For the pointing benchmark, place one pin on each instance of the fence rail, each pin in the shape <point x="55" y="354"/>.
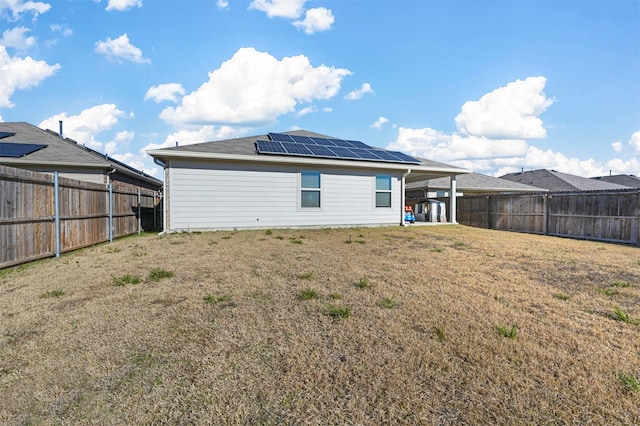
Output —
<point x="610" y="216"/>
<point x="43" y="215"/>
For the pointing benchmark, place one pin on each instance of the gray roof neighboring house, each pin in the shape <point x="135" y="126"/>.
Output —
<point x="63" y="153"/>
<point x="473" y="183"/>
<point x="557" y="181"/>
<point x="626" y="180"/>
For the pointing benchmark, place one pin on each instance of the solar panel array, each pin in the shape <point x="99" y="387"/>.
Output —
<point x="283" y="144"/>
<point x="17" y="150"/>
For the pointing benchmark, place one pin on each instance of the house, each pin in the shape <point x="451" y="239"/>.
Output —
<point x="467" y="184"/>
<point x="556" y="181"/>
<point x="626" y="180"/>
<point x="292" y="179"/>
<point x="25" y="146"/>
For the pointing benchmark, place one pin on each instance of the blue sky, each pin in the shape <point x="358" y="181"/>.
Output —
<point x="493" y="86"/>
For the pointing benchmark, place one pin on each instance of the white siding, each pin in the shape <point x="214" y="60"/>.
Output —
<point x="206" y="195"/>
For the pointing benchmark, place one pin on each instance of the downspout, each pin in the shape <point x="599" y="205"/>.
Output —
<point x="402" y="197"/>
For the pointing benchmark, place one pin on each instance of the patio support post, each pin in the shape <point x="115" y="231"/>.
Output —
<point x="452" y="199"/>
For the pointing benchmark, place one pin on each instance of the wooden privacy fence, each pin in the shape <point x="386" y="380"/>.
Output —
<point x="43" y="215"/>
<point x="610" y="216"/>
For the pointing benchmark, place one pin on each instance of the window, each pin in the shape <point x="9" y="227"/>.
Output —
<point x="383" y="191"/>
<point x="310" y="189"/>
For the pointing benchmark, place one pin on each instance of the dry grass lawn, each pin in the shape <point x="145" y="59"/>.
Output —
<point x="415" y="325"/>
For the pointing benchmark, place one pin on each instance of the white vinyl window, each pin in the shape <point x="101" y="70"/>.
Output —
<point x="383" y="191"/>
<point x="310" y="189"/>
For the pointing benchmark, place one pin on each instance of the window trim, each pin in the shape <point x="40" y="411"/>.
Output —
<point x="302" y="189"/>
<point x="377" y="191"/>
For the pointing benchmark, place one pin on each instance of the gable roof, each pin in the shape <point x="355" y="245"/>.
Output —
<point x="61" y="152"/>
<point x="474" y="182"/>
<point x="558" y="181"/>
<point x="244" y="149"/>
<point x="626" y="180"/>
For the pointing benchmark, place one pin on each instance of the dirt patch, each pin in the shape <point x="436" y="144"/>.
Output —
<point x="437" y="325"/>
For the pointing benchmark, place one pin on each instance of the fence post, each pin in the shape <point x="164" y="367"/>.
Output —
<point x="139" y="213"/>
<point x="154" y="211"/>
<point x="110" y="212"/>
<point x="56" y="196"/>
<point x="545" y="214"/>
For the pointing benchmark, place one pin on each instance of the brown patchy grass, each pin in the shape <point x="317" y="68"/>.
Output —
<point x="228" y="340"/>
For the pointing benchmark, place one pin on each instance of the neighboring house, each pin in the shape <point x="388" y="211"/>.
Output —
<point x="626" y="180"/>
<point x="557" y="181"/>
<point x="467" y="184"/>
<point x="25" y="146"/>
<point x="288" y="180"/>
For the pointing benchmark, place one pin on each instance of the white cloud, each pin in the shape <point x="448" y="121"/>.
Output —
<point x="486" y="143"/>
<point x="616" y="146"/>
<point x="122" y="5"/>
<point x="507" y="112"/>
<point x="327" y="109"/>
<point x="17" y="39"/>
<point x="316" y="20"/>
<point x="20" y="73"/>
<point x="305" y="111"/>
<point x="222" y="4"/>
<point x="359" y="93"/>
<point x="62" y="29"/>
<point x="381" y="121"/>
<point x="165" y="92"/>
<point x="121" y="49"/>
<point x="255" y="88"/>
<point x="291" y="9"/>
<point x="84" y="127"/>
<point x="18" y="7"/>
<point x="122" y="139"/>
<point x="635" y="142"/>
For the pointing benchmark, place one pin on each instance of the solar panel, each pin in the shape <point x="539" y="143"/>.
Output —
<point x="358" y="144"/>
<point x="405" y="158"/>
<point x="386" y="155"/>
<point x="270" y="147"/>
<point x="343" y="144"/>
<point x="6" y="134"/>
<point x="17" y="150"/>
<point x="302" y="139"/>
<point x="296" y="148"/>
<point x="280" y="137"/>
<point x="368" y="154"/>
<point x="322" y="151"/>
<point x="344" y="152"/>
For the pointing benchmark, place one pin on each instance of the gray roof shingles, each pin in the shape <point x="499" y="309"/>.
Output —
<point x="558" y="181"/>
